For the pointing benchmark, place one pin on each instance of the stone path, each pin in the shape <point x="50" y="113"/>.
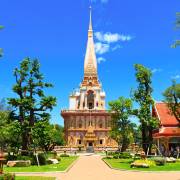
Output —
<point x="93" y="168"/>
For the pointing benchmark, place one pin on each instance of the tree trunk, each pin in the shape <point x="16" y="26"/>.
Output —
<point x="24" y="143"/>
<point x="144" y="138"/>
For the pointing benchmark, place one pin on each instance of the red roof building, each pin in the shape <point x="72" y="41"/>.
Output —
<point x="168" y="134"/>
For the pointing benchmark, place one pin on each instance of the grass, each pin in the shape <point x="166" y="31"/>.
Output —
<point x="62" y="166"/>
<point x="124" y="164"/>
<point x="34" y="178"/>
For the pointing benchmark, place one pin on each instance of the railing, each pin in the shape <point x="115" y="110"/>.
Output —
<point x="85" y="111"/>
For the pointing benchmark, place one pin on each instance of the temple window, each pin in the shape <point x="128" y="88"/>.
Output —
<point x="101" y="141"/>
<point x="90" y="99"/>
<point x="79" y="141"/>
<point x="97" y="104"/>
<point x="78" y="104"/>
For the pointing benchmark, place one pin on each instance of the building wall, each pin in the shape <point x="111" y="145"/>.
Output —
<point x="77" y="125"/>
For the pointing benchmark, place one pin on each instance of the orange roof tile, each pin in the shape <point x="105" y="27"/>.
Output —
<point x="168" y="132"/>
<point x="164" y="115"/>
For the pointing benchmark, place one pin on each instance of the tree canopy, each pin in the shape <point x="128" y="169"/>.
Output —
<point x="143" y="96"/>
<point x="172" y="97"/>
<point x="122" y="128"/>
<point x="31" y="104"/>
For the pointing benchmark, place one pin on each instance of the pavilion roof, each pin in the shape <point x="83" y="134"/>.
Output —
<point x="163" y="113"/>
<point x="167" y="132"/>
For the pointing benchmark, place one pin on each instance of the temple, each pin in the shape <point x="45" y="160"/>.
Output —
<point x="87" y="123"/>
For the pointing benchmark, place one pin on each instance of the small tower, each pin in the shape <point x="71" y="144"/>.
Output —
<point x="86" y="122"/>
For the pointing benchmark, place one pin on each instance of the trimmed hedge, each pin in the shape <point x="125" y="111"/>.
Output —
<point x="64" y="155"/>
<point x="122" y="155"/>
<point x="42" y="159"/>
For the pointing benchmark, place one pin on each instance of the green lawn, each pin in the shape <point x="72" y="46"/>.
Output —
<point x="62" y="166"/>
<point x="34" y="178"/>
<point x="125" y="165"/>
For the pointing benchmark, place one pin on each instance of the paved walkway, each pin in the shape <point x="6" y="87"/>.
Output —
<point x="93" y="168"/>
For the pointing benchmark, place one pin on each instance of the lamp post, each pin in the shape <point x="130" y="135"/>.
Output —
<point x="2" y="160"/>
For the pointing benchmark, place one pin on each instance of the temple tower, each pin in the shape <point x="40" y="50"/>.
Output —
<point x="86" y="122"/>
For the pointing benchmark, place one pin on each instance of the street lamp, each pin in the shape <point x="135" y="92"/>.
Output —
<point x="2" y="160"/>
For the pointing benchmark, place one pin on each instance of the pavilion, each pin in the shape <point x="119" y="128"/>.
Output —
<point x="167" y="136"/>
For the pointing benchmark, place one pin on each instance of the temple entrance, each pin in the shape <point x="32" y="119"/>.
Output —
<point x="90" y="144"/>
<point x="90" y="148"/>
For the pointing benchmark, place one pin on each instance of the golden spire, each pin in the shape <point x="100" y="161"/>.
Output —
<point x="90" y="64"/>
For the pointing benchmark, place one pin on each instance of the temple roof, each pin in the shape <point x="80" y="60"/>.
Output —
<point x="164" y="115"/>
<point x="167" y="132"/>
<point x="90" y="63"/>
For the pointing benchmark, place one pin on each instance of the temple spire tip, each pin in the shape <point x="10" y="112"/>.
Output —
<point x="90" y="22"/>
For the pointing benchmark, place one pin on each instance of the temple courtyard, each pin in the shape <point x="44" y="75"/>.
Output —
<point x="89" y="167"/>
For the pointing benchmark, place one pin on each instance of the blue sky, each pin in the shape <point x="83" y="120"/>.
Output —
<point x="126" y="32"/>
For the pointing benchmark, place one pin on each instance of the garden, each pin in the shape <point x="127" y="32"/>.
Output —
<point x="127" y="161"/>
<point x="46" y="162"/>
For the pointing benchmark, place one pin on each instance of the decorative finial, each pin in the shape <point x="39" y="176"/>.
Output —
<point x="90" y="22"/>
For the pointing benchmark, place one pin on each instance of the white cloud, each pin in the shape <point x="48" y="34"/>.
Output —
<point x="101" y="48"/>
<point x="101" y="59"/>
<point x="176" y="76"/>
<point x="116" y="47"/>
<point x="155" y="70"/>
<point x="108" y="42"/>
<point x="112" y="37"/>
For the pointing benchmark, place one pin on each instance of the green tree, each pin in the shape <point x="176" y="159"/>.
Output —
<point x="9" y="130"/>
<point x="172" y="97"/>
<point x="177" y="42"/>
<point x="47" y="136"/>
<point x="143" y="96"/>
<point x="122" y="128"/>
<point x="31" y="104"/>
<point x="57" y="135"/>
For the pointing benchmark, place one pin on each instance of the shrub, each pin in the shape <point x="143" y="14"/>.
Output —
<point x="25" y="158"/>
<point x="42" y="159"/>
<point x="125" y="155"/>
<point x="11" y="157"/>
<point x="7" y="176"/>
<point x="113" y="153"/>
<point x="64" y="155"/>
<point x="137" y="157"/>
<point x="116" y="156"/>
<point x="160" y="161"/>
<point x="108" y="157"/>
